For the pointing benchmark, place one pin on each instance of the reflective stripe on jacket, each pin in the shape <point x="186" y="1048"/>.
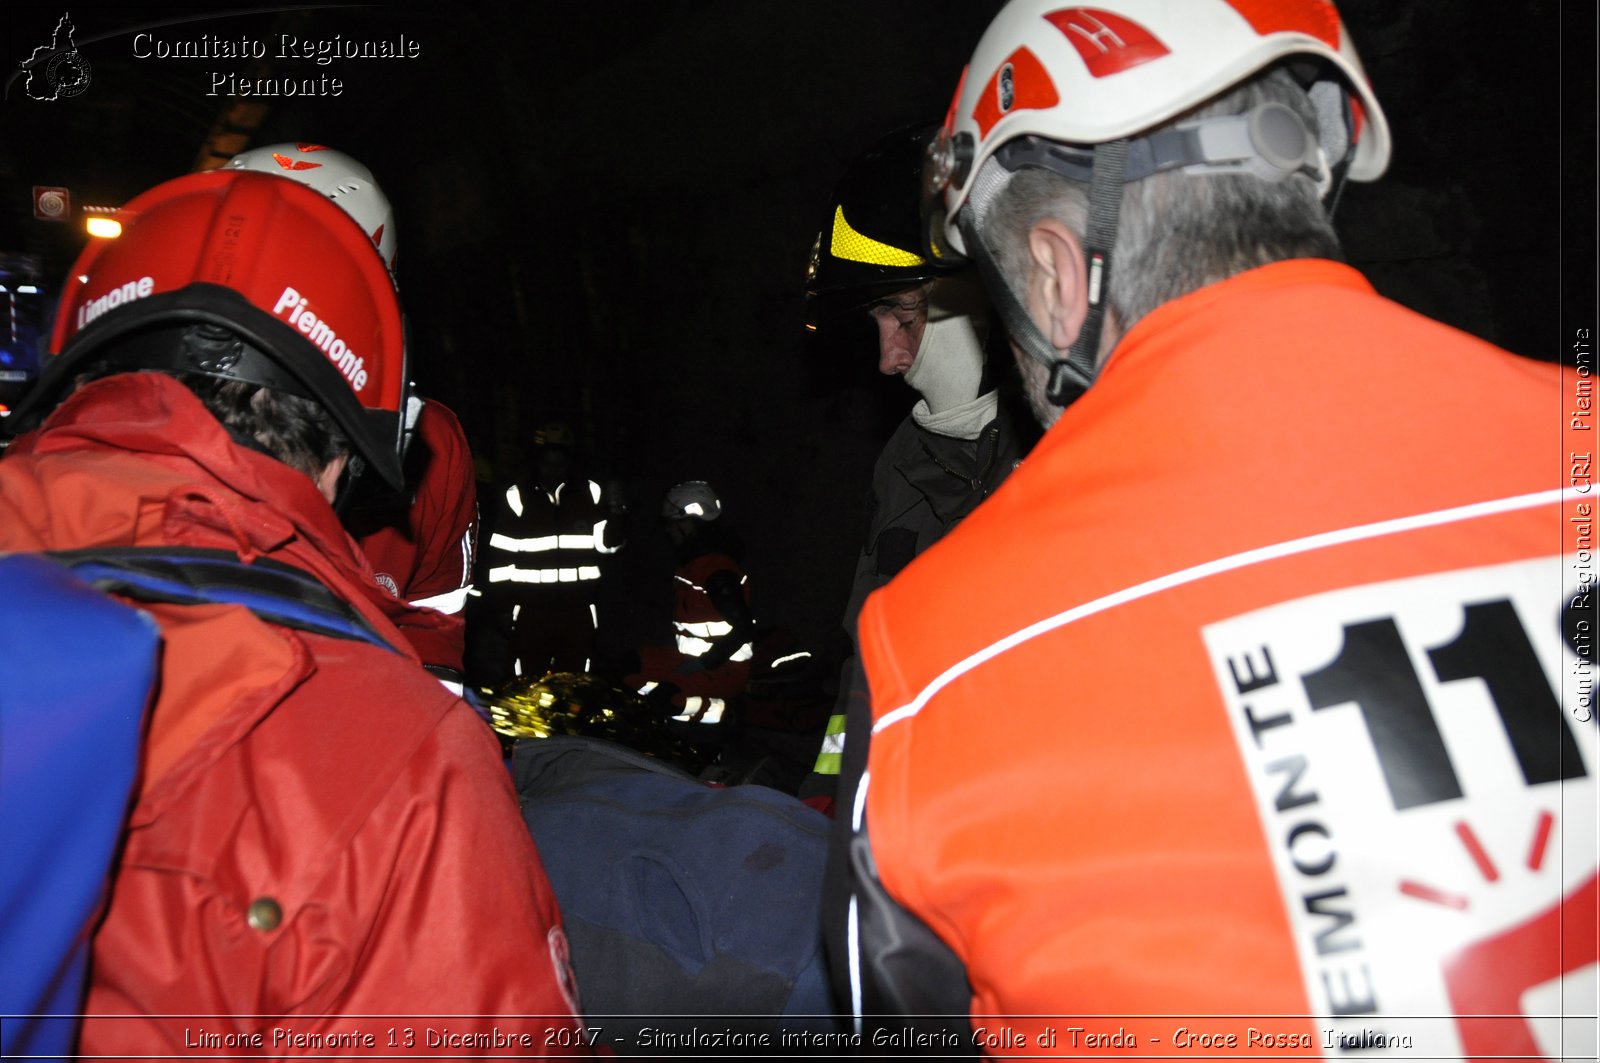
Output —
<point x="548" y="537"/>
<point x="696" y="620"/>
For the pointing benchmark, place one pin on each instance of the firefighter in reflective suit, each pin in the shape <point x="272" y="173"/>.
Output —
<point x="541" y="562"/>
<point x="713" y="628"/>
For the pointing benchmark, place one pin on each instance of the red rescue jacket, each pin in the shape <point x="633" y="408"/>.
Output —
<point x="324" y="842"/>
<point x="422" y="546"/>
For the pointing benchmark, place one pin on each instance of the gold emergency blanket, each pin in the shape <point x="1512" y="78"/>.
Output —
<point x="574" y="703"/>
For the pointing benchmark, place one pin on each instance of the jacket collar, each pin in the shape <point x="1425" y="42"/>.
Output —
<point x="214" y="493"/>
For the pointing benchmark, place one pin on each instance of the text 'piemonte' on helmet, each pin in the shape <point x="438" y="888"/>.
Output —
<point x="242" y="276"/>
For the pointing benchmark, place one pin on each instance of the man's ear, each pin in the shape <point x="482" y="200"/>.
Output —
<point x="328" y="479"/>
<point x="1058" y="293"/>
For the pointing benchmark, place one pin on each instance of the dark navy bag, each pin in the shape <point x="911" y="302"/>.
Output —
<point x="680" y="899"/>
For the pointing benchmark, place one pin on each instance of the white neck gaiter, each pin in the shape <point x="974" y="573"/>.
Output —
<point x="948" y="368"/>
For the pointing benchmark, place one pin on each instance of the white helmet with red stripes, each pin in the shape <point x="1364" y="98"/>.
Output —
<point x="1087" y="75"/>
<point x="337" y="176"/>
<point x="692" y="500"/>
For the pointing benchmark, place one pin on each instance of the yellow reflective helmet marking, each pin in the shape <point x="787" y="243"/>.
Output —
<point x="856" y="247"/>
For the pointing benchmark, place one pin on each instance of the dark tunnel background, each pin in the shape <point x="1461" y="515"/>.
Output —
<point x="605" y="210"/>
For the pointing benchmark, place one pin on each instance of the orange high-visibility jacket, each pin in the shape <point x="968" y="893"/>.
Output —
<point x="1249" y="694"/>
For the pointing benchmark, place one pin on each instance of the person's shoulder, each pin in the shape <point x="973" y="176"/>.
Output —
<point x="462" y="737"/>
<point x="908" y="431"/>
<point x="440" y="418"/>
<point x="428" y="728"/>
<point x="905" y="442"/>
<point x="709" y="562"/>
<point x="382" y="671"/>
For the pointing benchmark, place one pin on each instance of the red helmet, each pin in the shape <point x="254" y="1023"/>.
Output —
<point x="306" y="306"/>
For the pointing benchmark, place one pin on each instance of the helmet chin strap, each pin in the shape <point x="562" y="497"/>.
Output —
<point x="1072" y="375"/>
<point x="345" y="492"/>
<point x="1070" y="378"/>
<point x="1019" y="324"/>
<point x="1270" y="142"/>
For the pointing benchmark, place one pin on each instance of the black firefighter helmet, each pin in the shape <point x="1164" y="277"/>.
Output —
<point x="870" y="242"/>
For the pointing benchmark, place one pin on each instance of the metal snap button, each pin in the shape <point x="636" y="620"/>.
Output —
<point x="264" y="914"/>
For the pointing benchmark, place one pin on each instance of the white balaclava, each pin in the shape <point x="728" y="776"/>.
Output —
<point x="948" y="368"/>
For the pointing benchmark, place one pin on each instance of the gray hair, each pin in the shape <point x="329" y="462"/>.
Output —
<point x="1177" y="232"/>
